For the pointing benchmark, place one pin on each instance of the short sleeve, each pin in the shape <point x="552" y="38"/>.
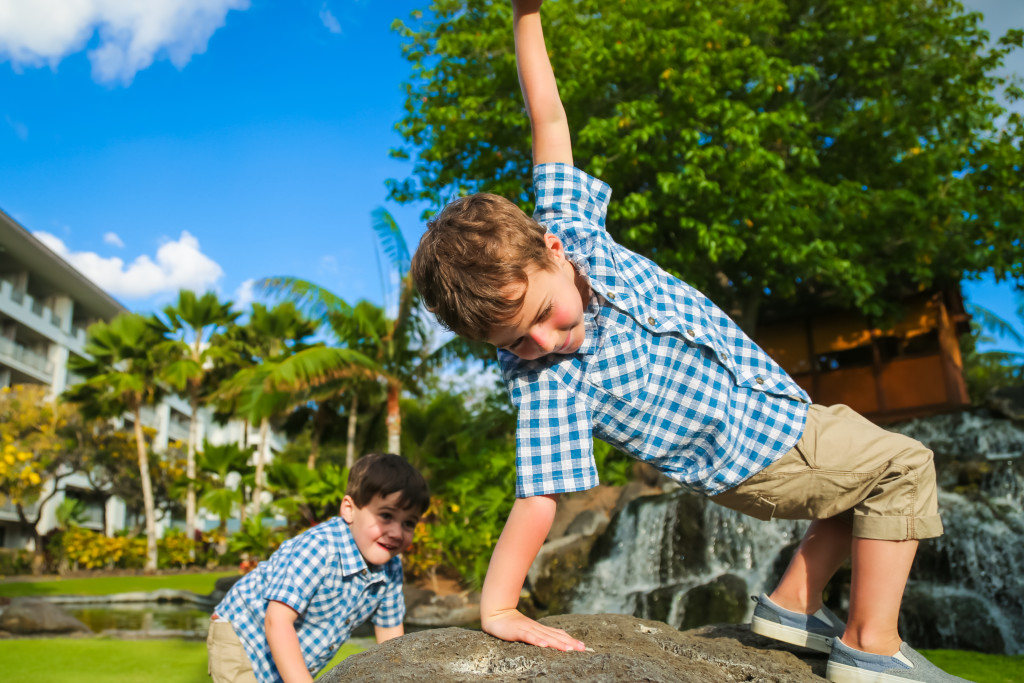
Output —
<point x="570" y="203"/>
<point x="554" y="442"/>
<point x="296" y="571"/>
<point x="391" y="611"/>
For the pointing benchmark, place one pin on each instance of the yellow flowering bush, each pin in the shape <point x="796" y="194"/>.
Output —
<point x="88" y="549"/>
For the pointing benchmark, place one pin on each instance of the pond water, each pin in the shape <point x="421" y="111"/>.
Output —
<point x="185" y="620"/>
<point x="166" y="619"/>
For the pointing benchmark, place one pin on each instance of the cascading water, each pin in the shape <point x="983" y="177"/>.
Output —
<point x="662" y="547"/>
<point x="966" y="589"/>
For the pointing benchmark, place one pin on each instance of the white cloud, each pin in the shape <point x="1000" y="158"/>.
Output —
<point x="131" y="34"/>
<point x="245" y="295"/>
<point x="111" y="238"/>
<point x="177" y="265"/>
<point x="329" y="20"/>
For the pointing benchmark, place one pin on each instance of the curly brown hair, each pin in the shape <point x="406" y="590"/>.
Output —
<point x="473" y="253"/>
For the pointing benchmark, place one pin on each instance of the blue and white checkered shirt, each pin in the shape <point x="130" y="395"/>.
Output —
<point x="321" y="575"/>
<point x="663" y="374"/>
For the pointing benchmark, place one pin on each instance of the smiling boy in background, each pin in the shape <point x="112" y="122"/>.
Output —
<point x="284" y="620"/>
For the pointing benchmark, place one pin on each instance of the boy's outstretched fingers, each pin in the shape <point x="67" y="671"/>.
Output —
<point x="514" y="627"/>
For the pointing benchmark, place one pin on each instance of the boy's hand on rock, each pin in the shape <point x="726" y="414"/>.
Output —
<point x="513" y="626"/>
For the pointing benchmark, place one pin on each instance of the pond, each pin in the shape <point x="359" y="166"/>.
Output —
<point x="142" y="619"/>
<point x="165" y="620"/>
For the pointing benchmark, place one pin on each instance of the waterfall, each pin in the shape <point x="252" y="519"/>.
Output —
<point x="966" y="590"/>
<point x="662" y="547"/>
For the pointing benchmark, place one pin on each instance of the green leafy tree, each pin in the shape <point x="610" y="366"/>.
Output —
<point x="121" y="376"/>
<point x="37" y="450"/>
<point x="193" y="323"/>
<point x="784" y="147"/>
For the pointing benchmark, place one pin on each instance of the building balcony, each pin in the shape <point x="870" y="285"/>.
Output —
<point x="33" y="314"/>
<point x="26" y="360"/>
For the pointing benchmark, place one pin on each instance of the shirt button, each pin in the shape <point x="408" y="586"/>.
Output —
<point x="760" y="380"/>
<point x="725" y="356"/>
<point x="611" y="295"/>
<point x="651" y="321"/>
<point x="691" y="333"/>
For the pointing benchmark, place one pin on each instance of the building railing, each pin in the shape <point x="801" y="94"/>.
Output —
<point x="75" y="338"/>
<point x="26" y="356"/>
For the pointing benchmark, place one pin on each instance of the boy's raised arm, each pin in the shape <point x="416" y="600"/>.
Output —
<point x="524" y="533"/>
<point x="551" y="141"/>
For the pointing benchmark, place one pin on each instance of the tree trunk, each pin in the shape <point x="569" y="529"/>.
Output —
<point x="257" y="492"/>
<point x="147" y="493"/>
<point x="314" y="437"/>
<point x="394" y="419"/>
<point x="190" y="474"/>
<point x="350" y="447"/>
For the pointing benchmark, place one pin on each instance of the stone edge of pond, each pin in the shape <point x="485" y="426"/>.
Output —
<point x="160" y="595"/>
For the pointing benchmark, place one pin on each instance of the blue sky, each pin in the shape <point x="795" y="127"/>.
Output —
<point x="207" y="143"/>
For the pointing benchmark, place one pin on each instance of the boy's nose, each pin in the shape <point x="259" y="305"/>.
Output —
<point x="543" y="338"/>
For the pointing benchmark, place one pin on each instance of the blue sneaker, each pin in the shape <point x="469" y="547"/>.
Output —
<point x="816" y="631"/>
<point x="846" y="665"/>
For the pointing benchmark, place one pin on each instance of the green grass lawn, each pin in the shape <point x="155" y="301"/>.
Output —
<point x="978" y="667"/>
<point x="101" y="660"/>
<point x="106" y="585"/>
<point x="98" y="660"/>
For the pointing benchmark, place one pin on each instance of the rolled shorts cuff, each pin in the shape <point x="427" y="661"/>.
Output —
<point x="900" y="528"/>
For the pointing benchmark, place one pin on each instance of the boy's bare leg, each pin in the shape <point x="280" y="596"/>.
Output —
<point x="825" y="547"/>
<point x="880" y="571"/>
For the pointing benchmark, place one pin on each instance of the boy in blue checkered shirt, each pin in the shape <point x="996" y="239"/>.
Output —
<point x="595" y="340"/>
<point x="284" y="620"/>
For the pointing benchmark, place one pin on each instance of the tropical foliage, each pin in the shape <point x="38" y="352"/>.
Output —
<point x="754" y="146"/>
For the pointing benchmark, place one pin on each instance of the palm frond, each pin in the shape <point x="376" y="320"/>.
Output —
<point x="313" y="300"/>
<point x="391" y="240"/>
<point x="992" y="322"/>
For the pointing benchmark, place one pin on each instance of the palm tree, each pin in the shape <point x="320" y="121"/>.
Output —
<point x="194" y="322"/>
<point x="217" y="462"/>
<point x="397" y="342"/>
<point x="121" y="374"/>
<point x="287" y="371"/>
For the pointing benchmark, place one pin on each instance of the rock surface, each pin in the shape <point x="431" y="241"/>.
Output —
<point x="29" y="615"/>
<point x="624" y="649"/>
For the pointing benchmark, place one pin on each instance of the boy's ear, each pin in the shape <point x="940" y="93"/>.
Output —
<point x="555" y="247"/>
<point x="348" y="508"/>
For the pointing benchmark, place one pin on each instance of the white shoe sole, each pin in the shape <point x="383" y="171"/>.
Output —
<point x="844" y="673"/>
<point x="791" y="635"/>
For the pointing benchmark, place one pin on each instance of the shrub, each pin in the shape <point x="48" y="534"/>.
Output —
<point x="14" y="562"/>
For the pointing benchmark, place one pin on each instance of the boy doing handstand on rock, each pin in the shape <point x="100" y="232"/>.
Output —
<point x="594" y="339"/>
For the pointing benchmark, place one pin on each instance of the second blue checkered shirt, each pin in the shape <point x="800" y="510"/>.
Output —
<point x="663" y="375"/>
<point x="321" y="575"/>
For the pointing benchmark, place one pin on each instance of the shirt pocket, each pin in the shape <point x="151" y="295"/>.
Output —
<point x="621" y="367"/>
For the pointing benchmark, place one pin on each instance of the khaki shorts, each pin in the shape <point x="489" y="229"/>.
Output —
<point x="846" y="466"/>
<point x="228" y="661"/>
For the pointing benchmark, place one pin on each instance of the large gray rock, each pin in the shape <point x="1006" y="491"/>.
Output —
<point x="30" y="615"/>
<point x="624" y="649"/>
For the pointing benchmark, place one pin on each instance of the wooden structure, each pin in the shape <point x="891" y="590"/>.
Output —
<point x="910" y="369"/>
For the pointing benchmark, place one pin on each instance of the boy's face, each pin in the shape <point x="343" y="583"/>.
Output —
<point x="381" y="529"/>
<point x="551" y="319"/>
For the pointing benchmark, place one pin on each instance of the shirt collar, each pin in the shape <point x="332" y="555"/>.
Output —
<point x="352" y="561"/>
